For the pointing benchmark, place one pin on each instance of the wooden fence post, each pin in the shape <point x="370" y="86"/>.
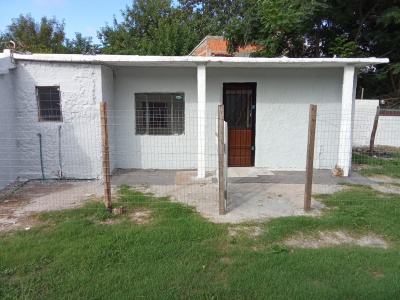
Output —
<point x="106" y="156"/>
<point x="312" y="120"/>
<point x="373" y="133"/>
<point x="221" y="161"/>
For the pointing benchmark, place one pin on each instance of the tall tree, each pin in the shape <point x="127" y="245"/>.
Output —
<point x="80" y="44"/>
<point x="323" y="28"/>
<point x="46" y="36"/>
<point x="148" y="27"/>
<point x="159" y="27"/>
<point x="209" y="17"/>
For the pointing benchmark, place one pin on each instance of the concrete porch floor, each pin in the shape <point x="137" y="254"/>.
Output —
<point x="253" y="193"/>
<point x="235" y="175"/>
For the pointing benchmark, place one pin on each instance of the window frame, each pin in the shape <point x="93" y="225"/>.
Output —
<point x="48" y="118"/>
<point x="145" y="118"/>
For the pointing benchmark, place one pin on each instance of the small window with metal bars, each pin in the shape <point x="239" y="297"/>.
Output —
<point x="49" y="103"/>
<point x="160" y="113"/>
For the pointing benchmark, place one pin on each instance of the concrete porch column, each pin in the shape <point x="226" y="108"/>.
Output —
<point x="347" y="119"/>
<point x="201" y="122"/>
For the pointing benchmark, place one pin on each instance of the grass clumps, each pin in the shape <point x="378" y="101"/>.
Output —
<point x="88" y="253"/>
<point x="386" y="162"/>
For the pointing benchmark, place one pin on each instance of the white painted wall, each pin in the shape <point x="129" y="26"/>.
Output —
<point x="388" y="131"/>
<point x="283" y="98"/>
<point x="8" y="142"/>
<point x="147" y="151"/>
<point x="107" y="87"/>
<point x="81" y="92"/>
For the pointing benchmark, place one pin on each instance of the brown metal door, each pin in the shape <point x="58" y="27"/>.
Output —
<point x="240" y="104"/>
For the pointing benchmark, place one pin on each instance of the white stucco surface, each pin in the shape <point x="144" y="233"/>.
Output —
<point x="282" y="105"/>
<point x="283" y="98"/>
<point x="388" y="131"/>
<point x="154" y="151"/>
<point x="72" y="148"/>
<point x="8" y="143"/>
<point x="107" y="88"/>
<point x="81" y="91"/>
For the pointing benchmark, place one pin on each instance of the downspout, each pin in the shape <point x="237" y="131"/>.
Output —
<point x="59" y="151"/>
<point x="41" y="154"/>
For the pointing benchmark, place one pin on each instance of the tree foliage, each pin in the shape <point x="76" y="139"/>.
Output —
<point x="46" y="36"/>
<point x="148" y="27"/>
<point x="325" y="28"/>
<point x="294" y="28"/>
<point x="157" y="27"/>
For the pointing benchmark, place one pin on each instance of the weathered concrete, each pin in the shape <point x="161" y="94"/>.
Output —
<point x="299" y="177"/>
<point x="144" y="177"/>
<point x="136" y="60"/>
<point x="256" y="197"/>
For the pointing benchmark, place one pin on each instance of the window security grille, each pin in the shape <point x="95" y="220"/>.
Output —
<point x="160" y="113"/>
<point x="49" y="103"/>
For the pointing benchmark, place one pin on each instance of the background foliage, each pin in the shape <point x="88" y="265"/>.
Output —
<point x="293" y="28"/>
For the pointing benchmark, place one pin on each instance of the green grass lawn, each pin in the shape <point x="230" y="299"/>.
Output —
<point x="389" y="166"/>
<point x="86" y="253"/>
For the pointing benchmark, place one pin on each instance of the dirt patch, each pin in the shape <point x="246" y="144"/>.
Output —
<point x="190" y="177"/>
<point x="359" y="167"/>
<point x="384" y="179"/>
<point x="329" y="238"/>
<point x="377" y="274"/>
<point x="141" y="216"/>
<point x="23" y="222"/>
<point x="246" y="201"/>
<point x="248" y="230"/>
<point x="226" y="260"/>
<point x="110" y="221"/>
<point x="17" y="209"/>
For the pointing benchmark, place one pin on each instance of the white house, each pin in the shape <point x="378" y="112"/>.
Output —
<point x="167" y="104"/>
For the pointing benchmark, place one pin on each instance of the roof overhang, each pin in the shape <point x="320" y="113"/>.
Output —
<point x="193" y="61"/>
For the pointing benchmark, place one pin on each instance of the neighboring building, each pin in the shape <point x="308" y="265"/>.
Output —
<point x="162" y="111"/>
<point x="216" y="46"/>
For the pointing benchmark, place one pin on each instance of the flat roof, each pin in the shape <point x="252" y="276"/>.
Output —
<point x="192" y="61"/>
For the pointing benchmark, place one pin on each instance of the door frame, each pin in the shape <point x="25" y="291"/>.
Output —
<point x="253" y="87"/>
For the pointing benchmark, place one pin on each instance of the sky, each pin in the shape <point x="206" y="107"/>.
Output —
<point x="84" y="16"/>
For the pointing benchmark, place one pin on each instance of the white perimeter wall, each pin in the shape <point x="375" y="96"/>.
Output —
<point x="149" y="151"/>
<point x="283" y="98"/>
<point x="8" y="143"/>
<point x="388" y="131"/>
<point x="81" y="92"/>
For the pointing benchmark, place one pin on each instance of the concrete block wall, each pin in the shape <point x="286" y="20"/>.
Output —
<point x="8" y="142"/>
<point x="71" y="148"/>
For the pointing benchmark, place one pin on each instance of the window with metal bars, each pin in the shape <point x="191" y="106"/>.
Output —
<point x="160" y="113"/>
<point x="49" y="103"/>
